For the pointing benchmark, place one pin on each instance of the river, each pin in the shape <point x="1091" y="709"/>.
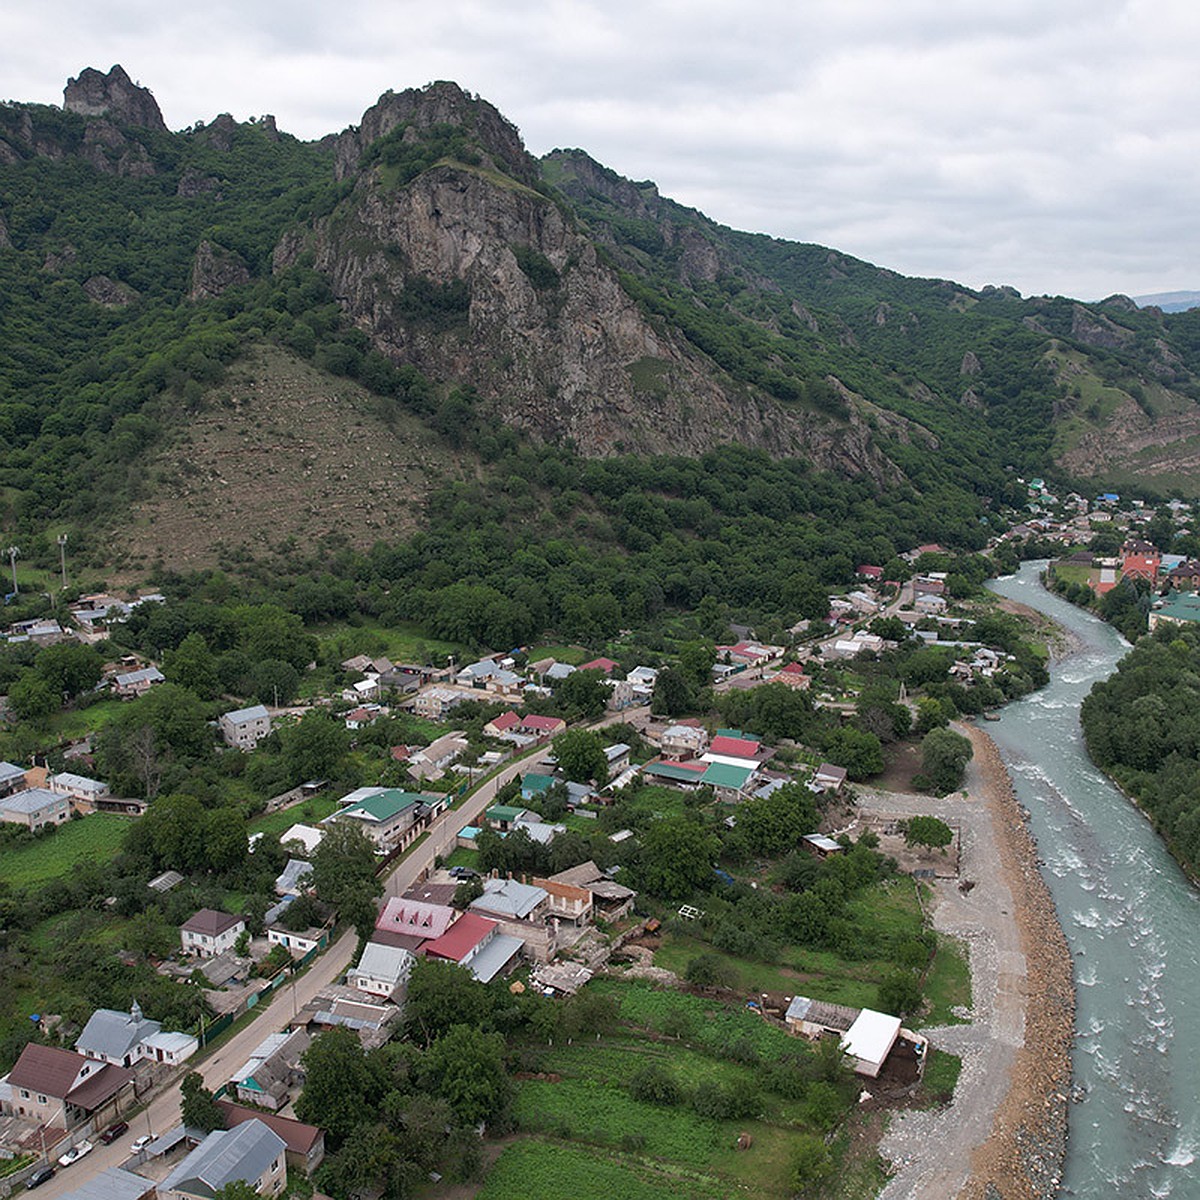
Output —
<point x="1130" y="916"/>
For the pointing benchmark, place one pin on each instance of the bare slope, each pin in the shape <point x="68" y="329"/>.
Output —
<point x="281" y="450"/>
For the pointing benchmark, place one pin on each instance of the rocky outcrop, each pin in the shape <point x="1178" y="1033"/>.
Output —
<point x="113" y="95"/>
<point x="214" y="270"/>
<point x="110" y="151"/>
<point x="970" y="364"/>
<point x="218" y="133"/>
<point x="108" y="292"/>
<point x="57" y="261"/>
<point x="193" y="184"/>
<point x="1098" y="330"/>
<point x="5" y="240"/>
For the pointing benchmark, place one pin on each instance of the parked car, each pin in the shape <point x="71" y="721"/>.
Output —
<point x="75" y="1153"/>
<point x="40" y="1176"/>
<point x="113" y="1132"/>
<point x="139" y="1144"/>
<point x="463" y="873"/>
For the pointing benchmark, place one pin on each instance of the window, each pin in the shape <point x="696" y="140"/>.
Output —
<point x="24" y="1094"/>
<point x="41" y="1099"/>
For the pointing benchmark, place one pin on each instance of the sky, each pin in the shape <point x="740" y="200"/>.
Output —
<point x="1048" y="145"/>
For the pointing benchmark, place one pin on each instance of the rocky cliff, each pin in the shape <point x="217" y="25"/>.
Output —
<point x="472" y="272"/>
<point x="113" y="95"/>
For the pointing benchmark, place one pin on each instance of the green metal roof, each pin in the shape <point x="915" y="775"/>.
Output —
<point x="386" y="805"/>
<point x="537" y="783"/>
<point x="503" y="812"/>
<point x="724" y="776"/>
<point x="1183" y="606"/>
<point x="671" y="771"/>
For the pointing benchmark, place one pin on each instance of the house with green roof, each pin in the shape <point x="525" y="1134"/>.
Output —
<point x="504" y="816"/>
<point x="392" y="819"/>
<point x="1181" y="608"/>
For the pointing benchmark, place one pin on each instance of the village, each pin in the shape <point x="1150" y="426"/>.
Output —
<point x="466" y="792"/>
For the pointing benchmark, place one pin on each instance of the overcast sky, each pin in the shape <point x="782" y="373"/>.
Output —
<point x="1052" y="145"/>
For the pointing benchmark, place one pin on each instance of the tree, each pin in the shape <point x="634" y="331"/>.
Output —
<point x="343" y="875"/>
<point x="580" y="755"/>
<point x="465" y="1066"/>
<point x="676" y="858"/>
<point x="238" y="1189"/>
<point x="900" y="993"/>
<point x="672" y="694"/>
<point x="193" y="666"/>
<point x="859" y="752"/>
<point x="944" y="758"/>
<point x="340" y="1084"/>
<point x="198" y="1109"/>
<point x="927" y="831"/>
<point x="314" y="746"/>
<point x="273" y="681"/>
<point x="70" y="668"/>
<point x="774" y="824"/>
<point x="811" y="1161"/>
<point x="33" y="699"/>
<point x="441" y="995"/>
<point x="583" y="693"/>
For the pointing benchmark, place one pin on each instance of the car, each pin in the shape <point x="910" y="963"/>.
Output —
<point x="40" y="1176"/>
<point x="463" y="873"/>
<point x="75" y="1153"/>
<point x="113" y="1132"/>
<point x="140" y="1144"/>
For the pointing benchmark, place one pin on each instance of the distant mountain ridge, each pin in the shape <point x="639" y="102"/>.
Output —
<point x="1169" y="301"/>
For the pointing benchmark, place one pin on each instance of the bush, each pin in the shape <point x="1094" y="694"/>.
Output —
<point x="708" y="970"/>
<point x="652" y="1085"/>
<point x="811" y="1161"/>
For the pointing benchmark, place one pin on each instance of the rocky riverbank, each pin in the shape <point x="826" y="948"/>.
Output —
<point x="1022" y="1160"/>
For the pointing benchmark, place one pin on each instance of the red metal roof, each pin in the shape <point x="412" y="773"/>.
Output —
<point x="300" y="1138"/>
<point x="733" y="747"/>
<point x="505" y="721"/>
<point x="546" y="724"/>
<point x="461" y="938"/>
<point x="600" y="664"/>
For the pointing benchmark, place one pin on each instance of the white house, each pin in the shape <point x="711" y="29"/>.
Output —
<point x="123" y="1039"/>
<point x="78" y="787"/>
<point x="209" y="933"/>
<point x="244" y="728"/>
<point x="381" y="971"/>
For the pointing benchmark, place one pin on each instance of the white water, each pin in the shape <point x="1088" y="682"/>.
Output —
<point x="1130" y="917"/>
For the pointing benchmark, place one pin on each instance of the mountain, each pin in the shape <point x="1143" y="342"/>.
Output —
<point x="158" y="282"/>
<point x="1169" y="301"/>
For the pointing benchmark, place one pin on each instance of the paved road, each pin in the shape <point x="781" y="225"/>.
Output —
<point x="163" y="1112"/>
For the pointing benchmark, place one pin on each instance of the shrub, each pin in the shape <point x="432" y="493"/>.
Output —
<point x="652" y="1085"/>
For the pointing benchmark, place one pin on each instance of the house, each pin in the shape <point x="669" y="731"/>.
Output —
<point x="250" y="1153"/>
<point x="506" y="722"/>
<point x="131" y="684"/>
<point x="827" y="778"/>
<point x="732" y="750"/>
<point x="509" y="901"/>
<point x="477" y="943"/>
<point x="729" y="783"/>
<point x="1181" y="608"/>
<point x="305" y="835"/>
<point x="610" y="900"/>
<point x="823" y="846"/>
<point x="601" y="664"/>
<point x="642" y="677"/>
<point x="338" y="1007"/>
<point x="304" y="1145"/>
<point x="411" y="923"/>
<point x="868" y="571"/>
<point x="267" y="1077"/>
<point x="58" y="1088"/>
<point x="534" y="784"/>
<point x="927" y="585"/>
<point x="88" y="793"/>
<point x="435" y="703"/>
<point x="124" y="1039"/>
<point x="930" y="605"/>
<point x="566" y="901"/>
<point x="210" y="932"/>
<point x="542" y="727"/>
<point x="618" y="757"/>
<point x="299" y="943"/>
<point x="793" y="675"/>
<point x="431" y="762"/>
<point x="389" y="818"/>
<point x="382" y="970"/>
<point x="1140" y="560"/>
<point x="505" y="816"/>
<point x="869" y="1041"/>
<point x="1185" y="575"/>
<point x="12" y="778"/>
<point x="558" y="671"/>
<point x="536" y="829"/>
<point x="363" y="716"/>
<point x="244" y="728"/>
<point x="814" y="1019"/>
<point x="34" y="808"/>
<point x="683" y="741"/>
<point x="292" y="879"/>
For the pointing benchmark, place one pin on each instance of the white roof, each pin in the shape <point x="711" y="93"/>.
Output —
<point x="77" y="783"/>
<point x="306" y="835"/>
<point x="388" y="963"/>
<point x="871" y="1036"/>
<point x="31" y="800"/>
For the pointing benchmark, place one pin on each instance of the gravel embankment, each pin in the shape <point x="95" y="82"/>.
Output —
<point x="1004" y="1135"/>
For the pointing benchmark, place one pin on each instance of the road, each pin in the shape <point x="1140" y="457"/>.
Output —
<point x="163" y="1112"/>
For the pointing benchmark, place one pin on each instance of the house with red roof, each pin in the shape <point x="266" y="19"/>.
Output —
<point x="409" y="924"/>
<point x="475" y="942"/>
<point x="600" y="664"/>
<point x="506" y="722"/>
<point x="541" y="726"/>
<point x="305" y="1144"/>
<point x="1140" y="560"/>
<point x="867" y="571"/>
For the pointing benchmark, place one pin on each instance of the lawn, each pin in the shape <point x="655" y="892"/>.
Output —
<point x="403" y="642"/>
<point x="74" y="723"/>
<point x="97" y="837"/>
<point x="564" y="654"/>
<point x="307" y="813"/>
<point x="948" y="984"/>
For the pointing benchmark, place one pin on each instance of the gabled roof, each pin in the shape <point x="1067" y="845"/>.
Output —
<point x="505" y="721"/>
<point x="541" y="723"/>
<point x="297" y="1136"/>
<point x="30" y="800"/>
<point x="389" y="963"/>
<point x="600" y="664"/>
<point x="242" y="1153"/>
<point x="723" y="775"/>
<point x="291" y="876"/>
<point x="210" y="922"/>
<point x="461" y="938"/>
<point x="384" y="807"/>
<point x="415" y="917"/>
<point x="47" y="1069"/>
<point x="243" y="716"/>
<point x="509" y="897"/>
<point x="10" y="772"/>
<point x="734" y="747"/>
<point x="113" y="1034"/>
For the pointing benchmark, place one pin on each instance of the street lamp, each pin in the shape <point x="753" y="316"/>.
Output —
<point x="12" y="553"/>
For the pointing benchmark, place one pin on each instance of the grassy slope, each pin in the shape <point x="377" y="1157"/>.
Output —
<point x="96" y="837"/>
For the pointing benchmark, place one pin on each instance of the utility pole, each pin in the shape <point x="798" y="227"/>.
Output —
<point x="62" y="557"/>
<point x="12" y="553"/>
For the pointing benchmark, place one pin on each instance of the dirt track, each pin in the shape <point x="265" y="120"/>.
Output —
<point x="1004" y="1136"/>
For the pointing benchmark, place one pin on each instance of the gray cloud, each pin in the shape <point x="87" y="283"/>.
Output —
<point x="1050" y="147"/>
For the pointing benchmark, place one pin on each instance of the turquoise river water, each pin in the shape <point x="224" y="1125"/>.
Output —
<point x="1130" y="916"/>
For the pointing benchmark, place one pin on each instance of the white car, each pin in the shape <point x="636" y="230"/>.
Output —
<point x="75" y="1153"/>
<point x="139" y="1144"/>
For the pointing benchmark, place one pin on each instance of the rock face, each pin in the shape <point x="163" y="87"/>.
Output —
<point x="108" y="292"/>
<point x="214" y="270"/>
<point x="114" y="95"/>
<point x="469" y="272"/>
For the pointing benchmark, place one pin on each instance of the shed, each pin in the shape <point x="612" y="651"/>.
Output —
<point x="870" y="1040"/>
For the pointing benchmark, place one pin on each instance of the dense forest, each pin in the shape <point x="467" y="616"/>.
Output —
<point x="1142" y="726"/>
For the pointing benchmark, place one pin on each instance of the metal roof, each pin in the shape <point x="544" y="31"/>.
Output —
<point x="242" y="1153"/>
<point x="113" y="1034"/>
